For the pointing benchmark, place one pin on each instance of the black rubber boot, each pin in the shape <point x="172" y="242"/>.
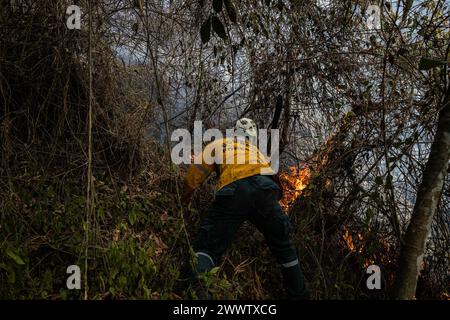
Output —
<point x="204" y="264"/>
<point x="294" y="283"/>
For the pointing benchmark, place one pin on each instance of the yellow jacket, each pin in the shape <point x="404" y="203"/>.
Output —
<point x="231" y="158"/>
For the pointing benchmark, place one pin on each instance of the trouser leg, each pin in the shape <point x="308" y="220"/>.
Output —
<point x="275" y="226"/>
<point x="204" y="262"/>
<point x="216" y="233"/>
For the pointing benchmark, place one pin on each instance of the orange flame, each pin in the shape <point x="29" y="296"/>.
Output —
<point x="294" y="182"/>
<point x="349" y="240"/>
<point x="351" y="245"/>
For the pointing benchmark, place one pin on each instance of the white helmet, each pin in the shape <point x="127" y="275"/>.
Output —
<point x="248" y="126"/>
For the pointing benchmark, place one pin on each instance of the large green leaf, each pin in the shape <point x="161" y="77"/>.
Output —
<point x="429" y="63"/>
<point x="231" y="11"/>
<point x="218" y="27"/>
<point x="14" y="256"/>
<point x="205" y="30"/>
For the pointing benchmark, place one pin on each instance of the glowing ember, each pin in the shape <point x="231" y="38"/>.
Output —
<point x="294" y="182"/>
<point x="368" y="262"/>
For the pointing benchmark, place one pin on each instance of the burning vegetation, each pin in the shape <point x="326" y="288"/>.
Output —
<point x="294" y="182"/>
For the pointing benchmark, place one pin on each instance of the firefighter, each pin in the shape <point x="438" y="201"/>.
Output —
<point x="243" y="193"/>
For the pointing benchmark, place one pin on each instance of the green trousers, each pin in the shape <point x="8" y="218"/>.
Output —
<point x="254" y="199"/>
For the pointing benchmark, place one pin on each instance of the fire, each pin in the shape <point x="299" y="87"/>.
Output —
<point x="294" y="182"/>
<point x="349" y="240"/>
<point x="351" y="245"/>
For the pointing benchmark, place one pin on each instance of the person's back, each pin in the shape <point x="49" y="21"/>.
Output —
<point x="232" y="158"/>
<point x="245" y="191"/>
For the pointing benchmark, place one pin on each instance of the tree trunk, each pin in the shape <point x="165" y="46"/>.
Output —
<point x="425" y="207"/>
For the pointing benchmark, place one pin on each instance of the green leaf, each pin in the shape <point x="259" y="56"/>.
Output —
<point x="429" y="63"/>
<point x="217" y="5"/>
<point x="101" y="213"/>
<point x="205" y="30"/>
<point x="218" y="27"/>
<point x="231" y="11"/>
<point x="15" y="257"/>
<point x="214" y="270"/>
<point x="131" y="246"/>
<point x="132" y="217"/>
